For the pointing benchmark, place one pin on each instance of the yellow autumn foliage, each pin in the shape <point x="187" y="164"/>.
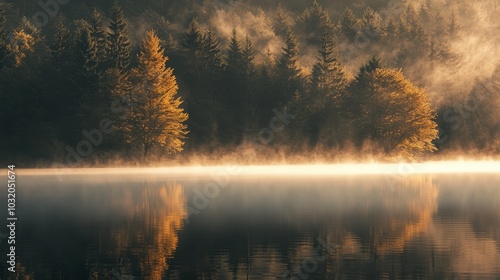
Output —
<point x="399" y="114"/>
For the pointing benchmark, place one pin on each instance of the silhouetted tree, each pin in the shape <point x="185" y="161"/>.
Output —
<point x="289" y="73"/>
<point x="99" y="36"/>
<point x="349" y="24"/>
<point x="371" y="24"/>
<point x="282" y="21"/>
<point x="315" y="21"/>
<point x="328" y="79"/>
<point x="118" y="51"/>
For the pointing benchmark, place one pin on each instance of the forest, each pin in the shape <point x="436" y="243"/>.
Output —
<point x="98" y="81"/>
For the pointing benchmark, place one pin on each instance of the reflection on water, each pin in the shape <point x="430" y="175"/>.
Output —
<point x="328" y="227"/>
<point x="153" y="216"/>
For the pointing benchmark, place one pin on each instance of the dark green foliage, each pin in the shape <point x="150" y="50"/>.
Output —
<point x="328" y="78"/>
<point x="349" y="24"/>
<point x="371" y="24"/>
<point x="76" y="71"/>
<point x="314" y="22"/>
<point x="86" y="54"/>
<point x="61" y="47"/>
<point x="99" y="36"/>
<point x="118" y="52"/>
<point x="289" y="74"/>
<point x="281" y="22"/>
<point x="192" y="41"/>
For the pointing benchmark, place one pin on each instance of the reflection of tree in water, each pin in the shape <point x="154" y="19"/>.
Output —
<point x="467" y="226"/>
<point x="147" y="237"/>
<point x="406" y="213"/>
<point x="376" y="224"/>
<point x="358" y="221"/>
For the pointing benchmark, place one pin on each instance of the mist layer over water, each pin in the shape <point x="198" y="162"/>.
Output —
<point x="216" y="223"/>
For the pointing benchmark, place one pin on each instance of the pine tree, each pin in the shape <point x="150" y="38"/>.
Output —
<point x="391" y="30"/>
<point x="234" y="110"/>
<point x="61" y="47"/>
<point x="86" y="53"/>
<point x="98" y="35"/>
<point x="369" y="67"/>
<point x="328" y="79"/>
<point x="204" y="73"/>
<point x="239" y="99"/>
<point x="288" y="69"/>
<point x="412" y="27"/>
<point x="157" y="122"/>
<point x="281" y="22"/>
<point x="248" y="54"/>
<point x="371" y="25"/>
<point x="116" y="100"/>
<point x="119" y="43"/>
<point x="425" y="14"/>
<point x="211" y="53"/>
<point x="358" y="100"/>
<point x="315" y="21"/>
<point x="234" y="54"/>
<point x="328" y="83"/>
<point x="349" y="24"/>
<point x="193" y="39"/>
<point x="86" y="79"/>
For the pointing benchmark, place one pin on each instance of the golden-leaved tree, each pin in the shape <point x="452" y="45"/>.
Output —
<point x="156" y="120"/>
<point x="395" y="113"/>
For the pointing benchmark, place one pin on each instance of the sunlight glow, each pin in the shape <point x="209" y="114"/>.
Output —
<point x="438" y="167"/>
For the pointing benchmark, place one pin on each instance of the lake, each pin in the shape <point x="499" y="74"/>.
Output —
<point x="257" y="223"/>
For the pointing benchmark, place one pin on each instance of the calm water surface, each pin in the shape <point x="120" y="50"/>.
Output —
<point x="98" y="226"/>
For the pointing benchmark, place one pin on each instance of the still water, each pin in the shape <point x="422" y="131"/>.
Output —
<point x="160" y="225"/>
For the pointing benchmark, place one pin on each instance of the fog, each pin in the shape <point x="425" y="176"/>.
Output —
<point x="456" y="60"/>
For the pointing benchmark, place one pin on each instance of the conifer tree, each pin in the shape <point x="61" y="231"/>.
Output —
<point x="316" y="21"/>
<point x="357" y="99"/>
<point x="61" y="46"/>
<point x="234" y="53"/>
<point x="371" y="25"/>
<point x="119" y="43"/>
<point x="248" y="54"/>
<point x="157" y="122"/>
<point x="86" y="52"/>
<point x="98" y="35"/>
<point x="250" y="80"/>
<point x="234" y="94"/>
<point x="349" y="24"/>
<point x="328" y="79"/>
<point x="391" y="30"/>
<point x="372" y="65"/>
<point x="86" y="79"/>
<point x="193" y="37"/>
<point x="297" y="106"/>
<point x="212" y="57"/>
<point x="288" y="69"/>
<point x="281" y="22"/>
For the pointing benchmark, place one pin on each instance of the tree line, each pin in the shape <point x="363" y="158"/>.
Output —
<point x="188" y="91"/>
